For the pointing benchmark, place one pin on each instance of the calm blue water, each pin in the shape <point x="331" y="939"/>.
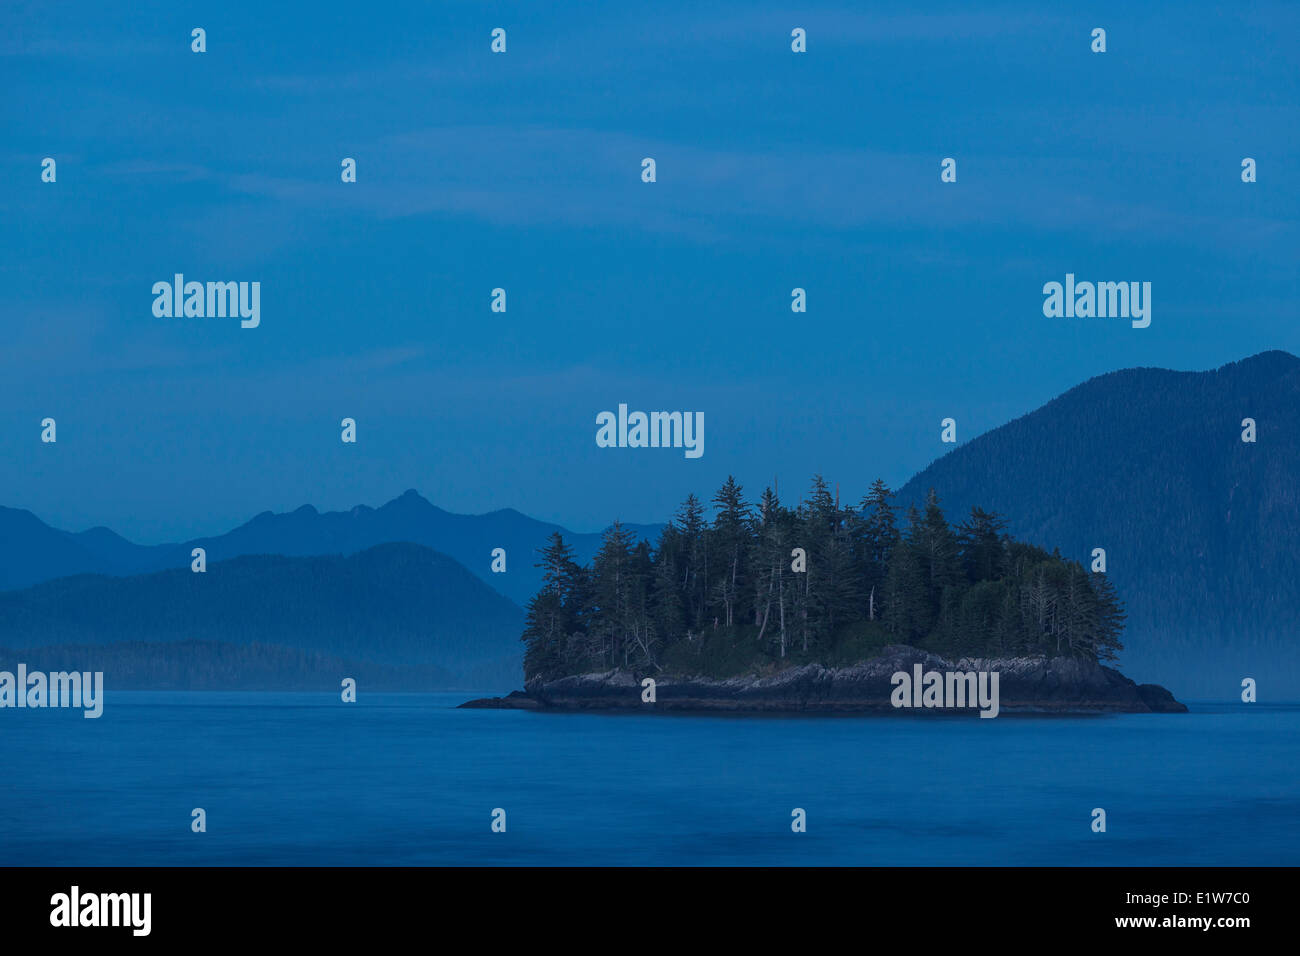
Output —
<point x="407" y="779"/>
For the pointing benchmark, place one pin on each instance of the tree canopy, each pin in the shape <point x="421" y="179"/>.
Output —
<point x="762" y="586"/>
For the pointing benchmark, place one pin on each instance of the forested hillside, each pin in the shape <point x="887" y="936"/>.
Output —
<point x="1201" y="529"/>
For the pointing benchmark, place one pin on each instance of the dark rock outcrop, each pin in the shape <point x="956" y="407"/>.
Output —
<point x="1025" y="685"/>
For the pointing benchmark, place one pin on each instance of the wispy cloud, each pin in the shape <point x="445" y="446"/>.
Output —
<point x="532" y="177"/>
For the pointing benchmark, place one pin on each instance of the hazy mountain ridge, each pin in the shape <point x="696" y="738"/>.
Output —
<point x="34" y="552"/>
<point x="389" y="607"/>
<point x="1201" y="529"/>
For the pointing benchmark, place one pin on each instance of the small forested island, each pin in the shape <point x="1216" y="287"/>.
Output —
<point x="814" y="607"/>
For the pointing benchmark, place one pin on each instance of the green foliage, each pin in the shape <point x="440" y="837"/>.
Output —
<point x="725" y="598"/>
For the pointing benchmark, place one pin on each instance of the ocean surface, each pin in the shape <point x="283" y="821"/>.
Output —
<point x="304" y="779"/>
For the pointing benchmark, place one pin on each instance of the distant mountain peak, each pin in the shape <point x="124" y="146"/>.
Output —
<point x="1274" y="362"/>
<point x="32" y="552"/>
<point x="23" y="515"/>
<point x="409" y="500"/>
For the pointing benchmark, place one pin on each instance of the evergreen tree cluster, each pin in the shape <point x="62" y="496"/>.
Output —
<point x="756" y="587"/>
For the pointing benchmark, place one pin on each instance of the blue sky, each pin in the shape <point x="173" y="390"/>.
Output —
<point x="522" y="170"/>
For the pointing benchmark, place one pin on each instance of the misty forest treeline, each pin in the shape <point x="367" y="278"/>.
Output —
<point x="730" y="594"/>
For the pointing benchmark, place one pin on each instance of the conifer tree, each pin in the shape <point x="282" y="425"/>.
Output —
<point x="731" y="531"/>
<point x="879" y="537"/>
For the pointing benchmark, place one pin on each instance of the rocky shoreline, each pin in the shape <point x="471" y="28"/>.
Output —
<point x="1026" y="685"/>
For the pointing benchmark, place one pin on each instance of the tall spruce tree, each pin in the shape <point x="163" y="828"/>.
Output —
<point x="731" y="532"/>
<point x="879" y="537"/>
